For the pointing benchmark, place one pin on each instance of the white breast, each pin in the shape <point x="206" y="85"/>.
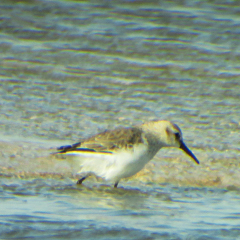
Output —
<point x="128" y="163"/>
<point x="121" y="164"/>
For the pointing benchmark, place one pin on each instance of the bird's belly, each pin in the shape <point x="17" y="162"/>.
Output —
<point x="113" y="167"/>
<point x="130" y="169"/>
<point x="126" y="165"/>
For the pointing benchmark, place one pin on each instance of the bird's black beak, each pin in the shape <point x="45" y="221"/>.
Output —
<point x="188" y="152"/>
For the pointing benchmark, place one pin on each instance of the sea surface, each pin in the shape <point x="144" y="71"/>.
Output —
<point x="71" y="69"/>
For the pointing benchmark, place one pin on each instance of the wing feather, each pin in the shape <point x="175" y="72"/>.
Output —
<point x="108" y="141"/>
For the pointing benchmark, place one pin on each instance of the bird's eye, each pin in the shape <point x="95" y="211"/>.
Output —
<point x="177" y="135"/>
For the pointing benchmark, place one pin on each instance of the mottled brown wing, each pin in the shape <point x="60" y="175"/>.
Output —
<point x="107" y="141"/>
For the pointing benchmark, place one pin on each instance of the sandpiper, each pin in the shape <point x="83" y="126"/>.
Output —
<point x="121" y="153"/>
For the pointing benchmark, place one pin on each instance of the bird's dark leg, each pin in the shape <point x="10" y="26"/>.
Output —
<point x="81" y="180"/>
<point x="115" y="185"/>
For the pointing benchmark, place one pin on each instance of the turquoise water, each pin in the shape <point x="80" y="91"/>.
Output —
<point x="70" y="69"/>
<point x="61" y="210"/>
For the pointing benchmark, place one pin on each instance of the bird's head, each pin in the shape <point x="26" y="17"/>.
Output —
<point x="169" y="135"/>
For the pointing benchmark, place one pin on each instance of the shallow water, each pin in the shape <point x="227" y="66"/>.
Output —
<point x="61" y="210"/>
<point x="70" y="69"/>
